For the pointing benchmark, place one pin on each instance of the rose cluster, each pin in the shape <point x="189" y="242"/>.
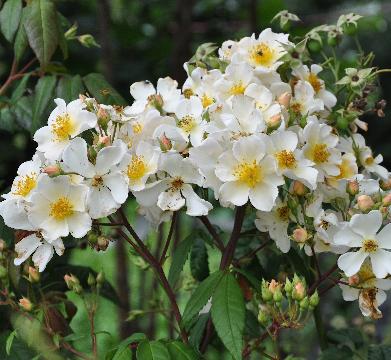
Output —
<point x="256" y="129"/>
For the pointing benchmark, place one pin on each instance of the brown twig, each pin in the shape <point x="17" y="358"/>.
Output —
<point x="79" y="354"/>
<point x="253" y="252"/>
<point x="168" y="240"/>
<point x="316" y="262"/>
<point x="323" y="277"/>
<point x="14" y="74"/>
<point x="219" y="243"/>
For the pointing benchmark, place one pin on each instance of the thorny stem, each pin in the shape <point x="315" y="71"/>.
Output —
<point x="168" y="240"/>
<point x="219" y="243"/>
<point x="148" y="257"/>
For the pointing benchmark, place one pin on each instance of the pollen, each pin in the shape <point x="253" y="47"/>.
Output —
<point x="320" y="154"/>
<point x="137" y="168"/>
<point x="286" y="159"/>
<point x="63" y="127"/>
<point x="25" y="185"/>
<point x="206" y="100"/>
<point x="346" y="169"/>
<point x="249" y="173"/>
<point x="296" y="107"/>
<point x="262" y="54"/>
<point x="137" y="127"/>
<point x="370" y="245"/>
<point x="187" y="93"/>
<point x="315" y="82"/>
<point x="61" y="208"/>
<point x="237" y="89"/>
<point x="369" y="160"/>
<point x="283" y="213"/>
<point x="187" y="124"/>
<point x="97" y="181"/>
<point x="177" y="183"/>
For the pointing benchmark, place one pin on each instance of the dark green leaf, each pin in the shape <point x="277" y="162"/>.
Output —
<point x="196" y="333"/>
<point x="69" y="88"/>
<point x="199" y="260"/>
<point x="179" y="259"/>
<point x="103" y="92"/>
<point x="18" y="351"/>
<point x="7" y="119"/>
<point x="23" y="111"/>
<point x="152" y="350"/>
<point x="21" y="41"/>
<point x="123" y="347"/>
<point x="20" y="89"/>
<point x="10" y="17"/>
<point x="346" y="337"/>
<point x="200" y="296"/>
<point x="42" y="29"/>
<point x="336" y="353"/>
<point x="180" y="351"/>
<point x="379" y="352"/>
<point x="228" y="314"/>
<point x="44" y="92"/>
<point x="10" y="340"/>
<point x="62" y="42"/>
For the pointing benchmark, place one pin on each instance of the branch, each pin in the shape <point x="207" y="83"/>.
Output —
<point x="253" y="252"/>
<point x="316" y="262"/>
<point x="219" y="243"/>
<point x="169" y="237"/>
<point x="13" y="75"/>
<point x="323" y="277"/>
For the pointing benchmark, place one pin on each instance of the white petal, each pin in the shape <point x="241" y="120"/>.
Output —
<point x="234" y="192"/>
<point x="170" y="200"/>
<point x="347" y="237"/>
<point x="100" y="202"/>
<point x="14" y="214"/>
<point x="42" y="256"/>
<point x="351" y="262"/>
<point x="195" y="205"/>
<point x="366" y="224"/>
<point x="25" y="247"/>
<point x="118" y="186"/>
<point x="263" y="196"/>
<point x="76" y="160"/>
<point x="142" y="89"/>
<point x="107" y="158"/>
<point x="149" y="196"/>
<point x="349" y="293"/>
<point x="250" y="148"/>
<point x="381" y="263"/>
<point x="79" y="224"/>
<point x="384" y="237"/>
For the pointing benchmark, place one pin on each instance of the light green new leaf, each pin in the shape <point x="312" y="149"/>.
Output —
<point x="201" y="296"/>
<point x="228" y="314"/>
<point x="180" y="351"/>
<point x="10" y="340"/>
<point x="179" y="259"/>
<point x="99" y="88"/>
<point x="44" y="92"/>
<point x="10" y="17"/>
<point x="42" y="29"/>
<point x="152" y="350"/>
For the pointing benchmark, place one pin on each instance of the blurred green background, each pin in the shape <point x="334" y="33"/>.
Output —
<point x="148" y="39"/>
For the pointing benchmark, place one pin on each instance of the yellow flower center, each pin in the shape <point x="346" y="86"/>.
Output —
<point x="237" y="88"/>
<point x="286" y="159"/>
<point x="137" y="168"/>
<point x="63" y="127"/>
<point x="262" y="54"/>
<point x="25" y="185"/>
<point x="370" y="245"/>
<point x="137" y="128"/>
<point x="187" y="123"/>
<point x="249" y="173"/>
<point x="315" y="82"/>
<point x="320" y="154"/>
<point x="177" y="183"/>
<point x="369" y="160"/>
<point x="347" y="170"/>
<point x="187" y="93"/>
<point x="283" y="213"/>
<point x="61" y="208"/>
<point x="97" y="181"/>
<point x="296" y="107"/>
<point x="206" y="100"/>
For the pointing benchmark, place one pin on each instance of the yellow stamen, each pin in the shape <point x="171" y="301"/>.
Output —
<point x="249" y="173"/>
<point x="97" y="181"/>
<point x="320" y="154"/>
<point x="187" y="93"/>
<point x="262" y="54"/>
<point x="137" y="168"/>
<point x="187" y="124"/>
<point x="137" y="128"/>
<point x="283" y="213"/>
<point x="370" y="245"/>
<point x="63" y="127"/>
<point x="206" y="100"/>
<point x="286" y="159"/>
<point x="61" y="208"/>
<point x="237" y="89"/>
<point x="25" y="185"/>
<point x="315" y="82"/>
<point x="177" y="183"/>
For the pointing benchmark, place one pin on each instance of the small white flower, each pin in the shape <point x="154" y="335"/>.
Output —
<point x="362" y="233"/>
<point x="65" y="122"/>
<point x="108" y="186"/>
<point x="304" y="101"/>
<point x="249" y="173"/>
<point x="59" y="208"/>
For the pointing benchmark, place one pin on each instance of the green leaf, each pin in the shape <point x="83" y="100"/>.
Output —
<point x="21" y="41"/>
<point x="179" y="259"/>
<point x="228" y="314"/>
<point x="6" y="233"/>
<point x="20" y="89"/>
<point x="42" y="29"/>
<point x="200" y="296"/>
<point x="379" y="352"/>
<point x="69" y="88"/>
<point x="152" y="350"/>
<point x="44" y="92"/>
<point x="103" y="92"/>
<point x="124" y="346"/>
<point x="23" y="111"/>
<point x="196" y="333"/>
<point x="336" y="353"/>
<point x="7" y="119"/>
<point x="10" y="17"/>
<point x="199" y="260"/>
<point x="180" y="351"/>
<point x="10" y="340"/>
<point x="62" y="42"/>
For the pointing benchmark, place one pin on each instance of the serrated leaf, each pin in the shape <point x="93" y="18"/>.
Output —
<point x="99" y="88"/>
<point x="124" y="346"/>
<point x="196" y="333"/>
<point x="42" y="29"/>
<point x="44" y="92"/>
<point x="199" y="265"/>
<point x="180" y="351"/>
<point x="20" y="89"/>
<point x="23" y="111"/>
<point x="10" y="17"/>
<point x="200" y="296"/>
<point x="70" y="87"/>
<point x="179" y="259"/>
<point x="228" y="314"/>
<point x="21" y="42"/>
<point x="152" y="350"/>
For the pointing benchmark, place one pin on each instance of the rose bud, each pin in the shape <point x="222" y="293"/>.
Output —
<point x="352" y="187"/>
<point x="365" y="203"/>
<point x="387" y="200"/>
<point x="385" y="184"/>
<point x="34" y="276"/>
<point x="284" y="99"/>
<point x="25" y="304"/>
<point x="299" y="188"/>
<point x="300" y="235"/>
<point x="52" y="170"/>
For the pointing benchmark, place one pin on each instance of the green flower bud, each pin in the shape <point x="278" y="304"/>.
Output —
<point x="349" y="29"/>
<point x="314" y="46"/>
<point x="288" y="288"/>
<point x="314" y="299"/>
<point x="3" y="272"/>
<point x="277" y="296"/>
<point x="267" y="295"/>
<point x="100" y="278"/>
<point x="263" y="318"/>
<point x="304" y="303"/>
<point x="91" y="280"/>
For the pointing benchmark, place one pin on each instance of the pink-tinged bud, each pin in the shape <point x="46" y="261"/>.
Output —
<point x="387" y="200"/>
<point x="299" y="188"/>
<point x="300" y="235"/>
<point x="82" y="97"/>
<point x="25" y="304"/>
<point x="354" y="280"/>
<point x="299" y="291"/>
<point x="165" y="143"/>
<point x="273" y="286"/>
<point x="384" y="210"/>
<point x="365" y="202"/>
<point x="71" y="281"/>
<point x="352" y="187"/>
<point x="3" y="245"/>
<point x="34" y="276"/>
<point x="105" y="140"/>
<point x="274" y="121"/>
<point x="284" y="99"/>
<point x="385" y="184"/>
<point x="52" y="170"/>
